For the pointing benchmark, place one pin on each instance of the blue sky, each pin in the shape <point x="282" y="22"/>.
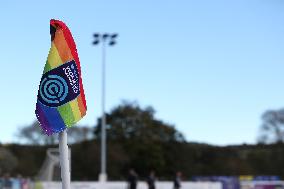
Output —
<point x="211" y="68"/>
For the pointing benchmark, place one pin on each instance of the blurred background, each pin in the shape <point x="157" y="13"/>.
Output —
<point x="192" y="91"/>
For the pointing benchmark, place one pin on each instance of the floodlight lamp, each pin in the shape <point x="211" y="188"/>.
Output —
<point x="113" y="36"/>
<point x="96" y="35"/>
<point x="105" y="36"/>
<point x="96" y="42"/>
<point x="111" y="43"/>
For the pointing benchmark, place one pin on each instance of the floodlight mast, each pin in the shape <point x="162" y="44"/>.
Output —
<point x="106" y="40"/>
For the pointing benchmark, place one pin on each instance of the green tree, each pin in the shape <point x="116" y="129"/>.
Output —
<point x="129" y="121"/>
<point x="135" y="131"/>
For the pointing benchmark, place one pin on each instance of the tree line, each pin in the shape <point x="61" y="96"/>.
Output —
<point x="138" y="140"/>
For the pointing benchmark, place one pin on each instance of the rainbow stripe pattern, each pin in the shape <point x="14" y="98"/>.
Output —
<point x="61" y="99"/>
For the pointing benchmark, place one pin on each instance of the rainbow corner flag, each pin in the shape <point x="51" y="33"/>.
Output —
<point x="61" y="99"/>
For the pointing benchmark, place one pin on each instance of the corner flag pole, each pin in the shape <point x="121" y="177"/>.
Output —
<point x="64" y="160"/>
<point x="61" y="92"/>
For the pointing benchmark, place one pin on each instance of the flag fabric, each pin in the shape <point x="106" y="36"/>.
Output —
<point x="61" y="99"/>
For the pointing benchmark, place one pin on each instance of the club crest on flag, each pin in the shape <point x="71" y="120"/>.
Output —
<point x="60" y="85"/>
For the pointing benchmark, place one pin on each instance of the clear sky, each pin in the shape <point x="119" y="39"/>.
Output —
<point x="209" y="67"/>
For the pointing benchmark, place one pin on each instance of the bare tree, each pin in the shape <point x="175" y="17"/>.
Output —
<point x="32" y="134"/>
<point x="80" y="133"/>
<point x="272" y="128"/>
